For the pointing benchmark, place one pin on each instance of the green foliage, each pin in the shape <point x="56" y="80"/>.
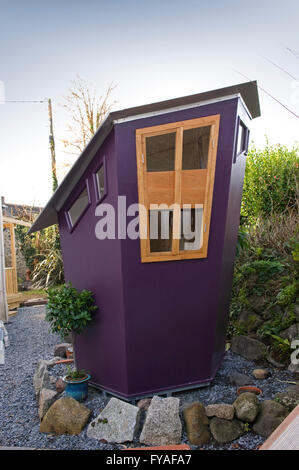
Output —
<point x="265" y="284"/>
<point x="281" y="347"/>
<point x="27" y="246"/>
<point x="242" y="241"/>
<point x="247" y="427"/>
<point x="48" y="270"/>
<point x="278" y="323"/>
<point x="74" y="374"/>
<point x="270" y="181"/>
<point x="42" y="255"/>
<point x="288" y="294"/>
<point x="69" y="310"/>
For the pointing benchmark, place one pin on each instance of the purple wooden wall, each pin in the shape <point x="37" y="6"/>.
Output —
<point x="96" y="265"/>
<point x="160" y="325"/>
<point x="171" y="307"/>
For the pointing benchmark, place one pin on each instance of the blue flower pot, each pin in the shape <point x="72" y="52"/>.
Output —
<point x="77" y="389"/>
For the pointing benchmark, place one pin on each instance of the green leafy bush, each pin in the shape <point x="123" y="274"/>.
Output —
<point x="281" y="347"/>
<point x="288" y="294"/>
<point x="42" y="254"/>
<point x="271" y="179"/>
<point x="68" y="310"/>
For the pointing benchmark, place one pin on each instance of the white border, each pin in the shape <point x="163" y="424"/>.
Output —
<point x="182" y="107"/>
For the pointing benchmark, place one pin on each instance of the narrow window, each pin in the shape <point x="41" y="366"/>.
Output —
<point x="176" y="169"/>
<point x="100" y="182"/>
<point x="78" y="207"/>
<point x="242" y="138"/>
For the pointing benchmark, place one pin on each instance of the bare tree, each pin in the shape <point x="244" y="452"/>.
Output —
<point x="87" y="111"/>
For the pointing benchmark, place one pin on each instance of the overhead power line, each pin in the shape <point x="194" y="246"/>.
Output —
<point x="296" y="54"/>
<point x="280" y="68"/>
<point x="269" y="94"/>
<point x="23" y="101"/>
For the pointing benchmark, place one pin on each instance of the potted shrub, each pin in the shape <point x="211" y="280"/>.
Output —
<point x="69" y="311"/>
<point x="76" y="383"/>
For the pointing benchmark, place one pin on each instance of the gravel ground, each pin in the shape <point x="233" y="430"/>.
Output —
<point x="31" y="340"/>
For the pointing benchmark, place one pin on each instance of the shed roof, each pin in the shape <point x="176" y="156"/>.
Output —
<point x="48" y="216"/>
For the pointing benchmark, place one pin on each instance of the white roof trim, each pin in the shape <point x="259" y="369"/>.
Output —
<point x="180" y="108"/>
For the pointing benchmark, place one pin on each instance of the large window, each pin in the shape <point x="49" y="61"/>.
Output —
<point x="176" y="169"/>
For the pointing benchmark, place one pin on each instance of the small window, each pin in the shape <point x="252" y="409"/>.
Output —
<point x="242" y="138"/>
<point x="78" y="207"/>
<point x="100" y="182"/>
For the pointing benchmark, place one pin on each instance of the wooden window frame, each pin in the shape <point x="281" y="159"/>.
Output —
<point x="178" y="128"/>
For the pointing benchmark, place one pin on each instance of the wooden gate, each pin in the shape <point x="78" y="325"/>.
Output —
<point x="11" y="271"/>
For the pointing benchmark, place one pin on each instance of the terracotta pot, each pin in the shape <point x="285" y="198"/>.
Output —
<point x="255" y="390"/>
<point x="69" y="353"/>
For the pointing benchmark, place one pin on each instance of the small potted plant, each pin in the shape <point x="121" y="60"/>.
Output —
<point x="76" y="383"/>
<point x="69" y="311"/>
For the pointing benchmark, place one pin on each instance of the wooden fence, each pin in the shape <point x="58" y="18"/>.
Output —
<point x="11" y="280"/>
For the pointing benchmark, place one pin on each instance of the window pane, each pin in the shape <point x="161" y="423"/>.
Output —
<point x="160" y="152"/>
<point x="191" y="229"/>
<point x="196" y="148"/>
<point x="78" y="207"/>
<point x="160" y="229"/>
<point x="100" y="182"/>
<point x="241" y="138"/>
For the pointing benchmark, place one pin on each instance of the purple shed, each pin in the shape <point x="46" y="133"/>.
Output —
<point x="161" y="325"/>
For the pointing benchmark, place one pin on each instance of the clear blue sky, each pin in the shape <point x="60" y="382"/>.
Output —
<point x="152" y="50"/>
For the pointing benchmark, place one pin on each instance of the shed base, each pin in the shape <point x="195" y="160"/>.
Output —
<point x="133" y="399"/>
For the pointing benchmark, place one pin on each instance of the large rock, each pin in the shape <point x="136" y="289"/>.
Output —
<point x="290" y="397"/>
<point x="270" y="417"/>
<point x="197" y="424"/>
<point x="46" y="399"/>
<point x="118" y="422"/>
<point x="250" y="348"/>
<point x="220" y="410"/>
<point x="41" y="378"/>
<point x="238" y="379"/>
<point x="224" y="430"/>
<point x="247" y="407"/>
<point x="60" y="385"/>
<point x="162" y="425"/>
<point x="258" y="303"/>
<point x="60" y="349"/>
<point x="249" y="320"/>
<point x="294" y="368"/>
<point x="291" y="333"/>
<point x="274" y="362"/>
<point x="65" y="416"/>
